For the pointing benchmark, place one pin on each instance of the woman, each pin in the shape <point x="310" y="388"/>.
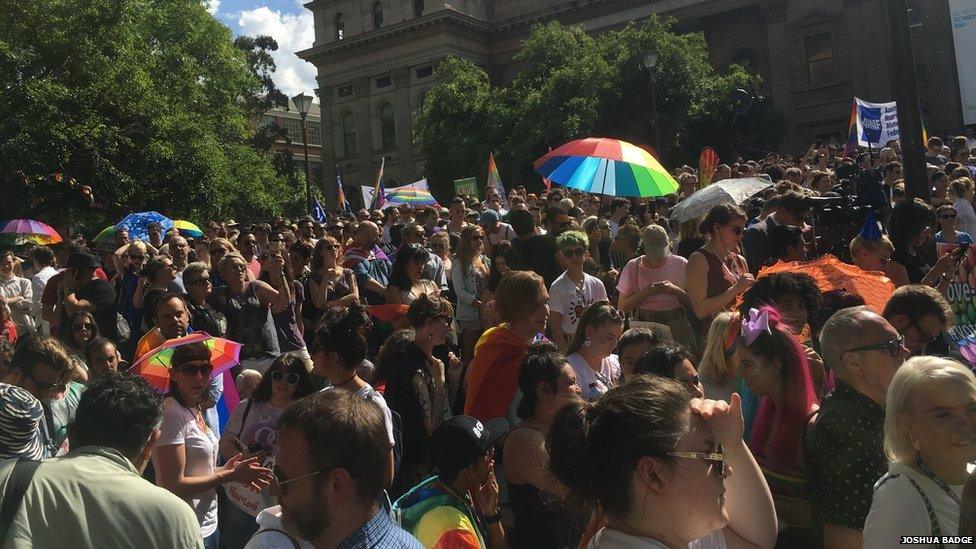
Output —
<point x="440" y="245"/>
<point x="252" y="429"/>
<point x="329" y="284"/>
<point x="185" y="457"/>
<point x="590" y="352"/>
<point x="961" y="194"/>
<point x="547" y="384"/>
<point x="666" y="471"/>
<point x="504" y="258"/>
<point x="158" y="274"/>
<point x="690" y="238"/>
<point x="910" y="227"/>
<point x="18" y="293"/>
<point x="929" y="439"/>
<point x="522" y="304"/>
<point x="716" y="273"/>
<point x="219" y="247"/>
<point x="201" y="248"/>
<point x="673" y="362"/>
<point x="199" y="287"/>
<point x="406" y="276"/>
<point x="624" y="246"/>
<point x="248" y="305"/>
<point x="651" y="286"/>
<point x="79" y="331"/>
<point x="470" y="281"/>
<point x="946" y="214"/>
<point x="632" y="344"/>
<point x="276" y="271"/>
<point x="719" y="366"/>
<point x="774" y="366"/>
<point x="597" y="231"/>
<point x="573" y="291"/>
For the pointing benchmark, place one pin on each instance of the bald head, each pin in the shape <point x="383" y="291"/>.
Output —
<point x="367" y="234"/>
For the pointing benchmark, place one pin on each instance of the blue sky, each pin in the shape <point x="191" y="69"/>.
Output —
<point x="287" y="21"/>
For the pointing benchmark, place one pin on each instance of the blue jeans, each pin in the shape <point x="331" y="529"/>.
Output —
<point x="212" y="541"/>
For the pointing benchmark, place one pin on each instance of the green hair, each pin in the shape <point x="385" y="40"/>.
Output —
<point x="571" y="239"/>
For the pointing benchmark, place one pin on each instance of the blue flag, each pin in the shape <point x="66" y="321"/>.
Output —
<point x="317" y="212"/>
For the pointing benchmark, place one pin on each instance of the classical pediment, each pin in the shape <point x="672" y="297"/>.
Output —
<point x="815" y="16"/>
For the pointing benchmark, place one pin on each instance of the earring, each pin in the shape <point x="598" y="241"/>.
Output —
<point x="430" y="336"/>
<point x="587" y="343"/>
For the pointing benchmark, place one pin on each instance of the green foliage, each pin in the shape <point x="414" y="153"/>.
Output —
<point x="147" y="102"/>
<point x="570" y="85"/>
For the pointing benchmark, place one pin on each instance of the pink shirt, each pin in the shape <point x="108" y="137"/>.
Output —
<point x="636" y="275"/>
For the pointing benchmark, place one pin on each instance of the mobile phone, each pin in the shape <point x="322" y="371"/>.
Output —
<point x="960" y="252"/>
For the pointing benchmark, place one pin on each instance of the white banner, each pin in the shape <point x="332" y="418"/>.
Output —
<point x="422" y="184"/>
<point x="367" y="196"/>
<point x="962" y="14"/>
<point x="877" y="123"/>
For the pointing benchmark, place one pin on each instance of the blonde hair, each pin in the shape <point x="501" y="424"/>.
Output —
<point x="914" y="372"/>
<point x="859" y="243"/>
<point x="714" y="364"/>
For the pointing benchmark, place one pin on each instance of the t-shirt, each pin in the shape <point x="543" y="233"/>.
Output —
<point x="179" y="426"/>
<point x="63" y="411"/>
<point x="608" y="538"/>
<point x="594" y="384"/>
<point x="101" y="295"/>
<point x="961" y="238"/>
<point x="253" y="425"/>
<point x="636" y="276"/>
<point x="570" y="300"/>
<point x="538" y="253"/>
<point x="438" y="518"/>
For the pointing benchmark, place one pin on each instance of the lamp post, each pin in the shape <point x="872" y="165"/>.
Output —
<point x="650" y="63"/>
<point x="906" y="95"/>
<point x="303" y="103"/>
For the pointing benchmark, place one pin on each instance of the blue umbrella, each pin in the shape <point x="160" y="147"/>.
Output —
<point x="138" y="224"/>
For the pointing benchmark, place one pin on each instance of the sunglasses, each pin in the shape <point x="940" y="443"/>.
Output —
<point x="58" y="385"/>
<point x="237" y="268"/>
<point x="80" y="327"/>
<point x="191" y="371"/>
<point x="293" y="378"/>
<point x="893" y="347"/>
<point x="737" y="230"/>
<point x="715" y="459"/>
<point x="576" y="252"/>
<point x="202" y="281"/>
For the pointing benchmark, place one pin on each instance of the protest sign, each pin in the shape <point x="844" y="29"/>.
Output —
<point x="962" y="13"/>
<point x="877" y="123"/>
<point x="467" y="186"/>
<point x="960" y="295"/>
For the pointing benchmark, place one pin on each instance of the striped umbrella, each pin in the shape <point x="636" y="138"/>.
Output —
<point x="187" y="229"/>
<point x="606" y="166"/>
<point x="413" y="196"/>
<point x="18" y="232"/>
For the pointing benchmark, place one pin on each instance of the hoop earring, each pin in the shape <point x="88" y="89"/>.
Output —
<point x="587" y="343"/>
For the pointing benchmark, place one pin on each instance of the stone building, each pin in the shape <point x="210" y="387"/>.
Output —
<point x="376" y="59"/>
<point x="290" y="119"/>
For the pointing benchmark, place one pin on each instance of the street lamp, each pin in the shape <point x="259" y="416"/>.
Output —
<point x="303" y="103"/>
<point x="906" y="94"/>
<point x="650" y="63"/>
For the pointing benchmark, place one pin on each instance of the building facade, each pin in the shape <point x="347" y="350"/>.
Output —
<point x="290" y="119"/>
<point x="376" y="60"/>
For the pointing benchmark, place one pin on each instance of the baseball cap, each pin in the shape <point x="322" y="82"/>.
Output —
<point x="489" y="217"/>
<point x="20" y="419"/>
<point x="459" y="441"/>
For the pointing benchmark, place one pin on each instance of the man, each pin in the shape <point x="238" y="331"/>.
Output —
<point x="306" y="230"/>
<point x="179" y="250"/>
<point x="457" y="215"/>
<point x="723" y="171"/>
<point x="83" y="290"/>
<point x="333" y="452"/>
<point x="687" y="184"/>
<point x="495" y="229"/>
<point x="434" y="269"/>
<point x="536" y="211"/>
<point x="794" y="175"/>
<point x="428" y="219"/>
<point x="43" y="259"/>
<point x="247" y="243"/>
<point x="933" y="152"/>
<point x="156" y="235"/>
<point x="922" y="315"/>
<point x="370" y="265"/>
<point x="439" y="510"/>
<point x="262" y="231"/>
<point x="539" y="253"/>
<point x="41" y="365"/>
<point x="892" y="172"/>
<point x="844" y="447"/>
<point x="940" y="188"/>
<point x="102" y="356"/>
<point x="619" y="208"/>
<point x="791" y="211"/>
<point x="170" y="320"/>
<point x="94" y="496"/>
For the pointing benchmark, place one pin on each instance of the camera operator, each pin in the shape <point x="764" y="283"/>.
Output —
<point x="869" y="185"/>
<point x="793" y="208"/>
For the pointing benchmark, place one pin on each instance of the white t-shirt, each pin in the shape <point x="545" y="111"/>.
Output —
<point x="608" y="538"/>
<point x="594" y="384"/>
<point x="570" y="300"/>
<point x="180" y="427"/>
<point x="898" y="510"/>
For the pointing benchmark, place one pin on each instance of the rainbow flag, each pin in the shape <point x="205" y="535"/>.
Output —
<point x="229" y="399"/>
<point x="341" y="194"/>
<point x="851" y="144"/>
<point x="495" y="180"/>
<point x="378" y="198"/>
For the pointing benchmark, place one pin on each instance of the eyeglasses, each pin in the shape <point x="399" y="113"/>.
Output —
<point x="715" y="459"/>
<point x="736" y="230"/>
<point x="202" y="281"/>
<point x="692" y="381"/>
<point x="576" y="252"/>
<point x="237" y="268"/>
<point x="276" y="474"/>
<point x="894" y="347"/>
<point x="41" y="387"/>
<point x="191" y="371"/>
<point x="87" y="326"/>
<point x="293" y="378"/>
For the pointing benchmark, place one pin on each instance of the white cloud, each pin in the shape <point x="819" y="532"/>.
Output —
<point x="293" y="32"/>
<point x="212" y="6"/>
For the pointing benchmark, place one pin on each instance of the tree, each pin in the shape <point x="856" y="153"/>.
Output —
<point x="145" y="102"/>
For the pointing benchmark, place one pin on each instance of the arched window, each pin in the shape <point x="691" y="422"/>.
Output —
<point x="418" y="7"/>
<point x="340" y="26"/>
<point x="387" y="126"/>
<point x="377" y="15"/>
<point x="349" y="133"/>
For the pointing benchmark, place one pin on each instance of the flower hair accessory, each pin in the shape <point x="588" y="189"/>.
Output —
<point x="755" y="324"/>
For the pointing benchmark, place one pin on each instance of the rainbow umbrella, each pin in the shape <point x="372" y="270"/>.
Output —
<point x="412" y="196"/>
<point x="155" y="365"/>
<point x="187" y="229"/>
<point x="18" y="232"/>
<point x="606" y="166"/>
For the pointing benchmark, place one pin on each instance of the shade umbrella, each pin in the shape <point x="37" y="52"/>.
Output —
<point x="155" y="365"/>
<point x="18" y="232"/>
<point x="138" y="224"/>
<point x="833" y="274"/>
<point x="606" y="166"/>
<point x="726" y="191"/>
<point x="411" y="196"/>
<point x="107" y="234"/>
<point x="187" y="229"/>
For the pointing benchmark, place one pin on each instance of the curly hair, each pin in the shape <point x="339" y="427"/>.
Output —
<point x="768" y="289"/>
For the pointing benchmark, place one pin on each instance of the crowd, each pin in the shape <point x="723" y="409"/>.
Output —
<point x="535" y="370"/>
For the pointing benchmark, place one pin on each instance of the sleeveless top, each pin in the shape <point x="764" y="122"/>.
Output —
<point x="249" y="322"/>
<point x="721" y="277"/>
<point x="535" y="520"/>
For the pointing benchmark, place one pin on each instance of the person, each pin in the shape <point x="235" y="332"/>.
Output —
<point x="652" y="287"/>
<point x="83" y="290"/>
<point x="843" y="447"/>
<point x="79" y="331"/>
<point x="330" y="284"/>
<point x="276" y="270"/>
<point x="247" y="246"/>
<point x="200" y="286"/>
<point x="18" y="293"/>
<point x="547" y="383"/>
<point x="102" y="357"/>
<point x="933" y="152"/>
<point x="755" y="241"/>
<point x="948" y="234"/>
<point x="632" y="344"/>
<point x="434" y="268"/>
<point x="910" y="226"/>
<point x="440" y="247"/>
<point x="459" y="506"/>
<point x="252" y="429"/>
<point x="922" y="315"/>
<point x="185" y="457"/>
<point x="406" y="281"/>
<point x="469" y="278"/>
<point x="158" y="275"/>
<point x="666" y="470"/>
<point x="94" y="495"/>
<point x="672" y="362"/>
<point x="494" y="228"/>
<point x="961" y="192"/>
<point x="786" y="244"/>
<point x="329" y="493"/>
<point x="43" y="259"/>
<point x="457" y="211"/>
<point x="170" y="320"/>
<point x="623" y="247"/>
<point x="521" y="301"/>
<point x="929" y="441"/>
<point x="539" y="253"/>
<point x="619" y="208"/>
<point x="248" y="304"/>
<point x="716" y="274"/>
<point x="573" y="291"/>
<point x="590" y="352"/>
<point x="368" y="263"/>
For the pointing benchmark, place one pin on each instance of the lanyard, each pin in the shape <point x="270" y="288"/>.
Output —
<point x="937" y="480"/>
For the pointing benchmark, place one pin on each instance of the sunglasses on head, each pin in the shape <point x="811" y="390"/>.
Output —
<point x="292" y="377"/>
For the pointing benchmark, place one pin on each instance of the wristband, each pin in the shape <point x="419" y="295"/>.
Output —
<point x="492" y="519"/>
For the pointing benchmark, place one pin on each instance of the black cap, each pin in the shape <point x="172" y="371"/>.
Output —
<point x="459" y="441"/>
<point x="82" y="260"/>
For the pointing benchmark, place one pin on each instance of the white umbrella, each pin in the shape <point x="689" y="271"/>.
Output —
<point x="726" y="191"/>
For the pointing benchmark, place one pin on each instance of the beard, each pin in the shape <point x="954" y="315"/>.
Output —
<point x="309" y="518"/>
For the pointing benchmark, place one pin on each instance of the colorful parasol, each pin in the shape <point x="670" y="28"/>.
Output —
<point x="187" y="229"/>
<point x="833" y="274"/>
<point x="606" y="166"/>
<point x="156" y="364"/>
<point x="107" y="235"/>
<point x="138" y="224"/>
<point x="412" y="196"/>
<point x="18" y="232"/>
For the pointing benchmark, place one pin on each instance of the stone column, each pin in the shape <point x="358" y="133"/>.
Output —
<point x="404" y="126"/>
<point x="364" y="133"/>
<point x="328" y="147"/>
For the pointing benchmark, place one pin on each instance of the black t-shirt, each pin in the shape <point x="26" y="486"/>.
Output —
<point x="101" y="295"/>
<point x="538" y="253"/>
